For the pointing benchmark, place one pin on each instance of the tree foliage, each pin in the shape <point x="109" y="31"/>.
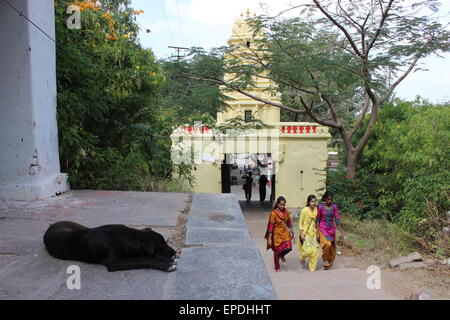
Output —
<point x="189" y="99"/>
<point x="113" y="132"/>
<point x="404" y="171"/>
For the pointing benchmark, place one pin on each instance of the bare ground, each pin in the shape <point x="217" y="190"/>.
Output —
<point x="401" y="284"/>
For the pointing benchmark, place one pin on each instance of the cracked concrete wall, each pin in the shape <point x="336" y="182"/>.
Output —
<point x="29" y="159"/>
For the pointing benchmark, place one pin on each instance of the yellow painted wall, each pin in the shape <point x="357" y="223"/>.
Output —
<point x="308" y="155"/>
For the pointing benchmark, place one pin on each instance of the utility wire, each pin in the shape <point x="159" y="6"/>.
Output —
<point x="59" y="46"/>
<point x="26" y="18"/>
<point x="167" y="21"/>
<point x="179" y="23"/>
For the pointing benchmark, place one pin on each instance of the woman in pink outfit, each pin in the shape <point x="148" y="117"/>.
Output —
<point x="327" y="217"/>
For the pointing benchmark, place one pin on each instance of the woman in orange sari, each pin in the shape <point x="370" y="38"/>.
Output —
<point x="279" y="232"/>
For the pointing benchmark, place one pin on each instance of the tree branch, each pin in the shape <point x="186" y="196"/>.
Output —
<point x="378" y="31"/>
<point x="316" y="119"/>
<point x="361" y="117"/>
<point x="336" y="118"/>
<point x="337" y="24"/>
<point x="403" y="76"/>
<point x="221" y="82"/>
<point x="348" y="17"/>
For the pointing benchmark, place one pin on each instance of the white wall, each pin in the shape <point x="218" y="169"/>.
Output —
<point x="29" y="160"/>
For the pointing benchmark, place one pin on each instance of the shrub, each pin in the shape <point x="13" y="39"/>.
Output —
<point x="113" y="131"/>
<point x="403" y="172"/>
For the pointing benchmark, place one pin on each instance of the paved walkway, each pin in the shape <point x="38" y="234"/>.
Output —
<point x="224" y="255"/>
<point x="296" y="282"/>
<point x="218" y="261"/>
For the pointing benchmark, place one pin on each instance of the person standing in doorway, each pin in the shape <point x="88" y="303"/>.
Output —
<point x="327" y="216"/>
<point x="248" y="186"/>
<point x="308" y="245"/>
<point x="279" y="232"/>
<point x="262" y="187"/>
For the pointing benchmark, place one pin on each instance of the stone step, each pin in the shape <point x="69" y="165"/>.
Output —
<point x="415" y="256"/>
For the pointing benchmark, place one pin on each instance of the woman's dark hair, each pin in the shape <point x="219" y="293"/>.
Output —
<point x="310" y="197"/>
<point x="326" y="195"/>
<point x="278" y="201"/>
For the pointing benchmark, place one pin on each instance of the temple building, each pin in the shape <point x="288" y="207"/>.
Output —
<point x="293" y="155"/>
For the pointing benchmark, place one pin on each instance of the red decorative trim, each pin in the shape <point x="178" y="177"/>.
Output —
<point x="196" y="130"/>
<point x="298" y="129"/>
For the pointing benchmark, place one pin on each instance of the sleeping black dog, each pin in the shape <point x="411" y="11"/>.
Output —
<point x="115" y="246"/>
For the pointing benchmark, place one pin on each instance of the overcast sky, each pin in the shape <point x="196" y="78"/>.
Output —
<point x="207" y="24"/>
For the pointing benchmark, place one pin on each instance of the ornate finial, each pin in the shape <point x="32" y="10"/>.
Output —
<point x="248" y="13"/>
<point x="254" y="14"/>
<point x="242" y="15"/>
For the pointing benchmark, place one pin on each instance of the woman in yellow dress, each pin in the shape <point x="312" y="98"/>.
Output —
<point x="308" y="245"/>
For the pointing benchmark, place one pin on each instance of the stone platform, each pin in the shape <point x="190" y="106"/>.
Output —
<point x="218" y="261"/>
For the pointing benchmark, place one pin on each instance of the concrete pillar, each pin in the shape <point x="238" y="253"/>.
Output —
<point x="29" y="159"/>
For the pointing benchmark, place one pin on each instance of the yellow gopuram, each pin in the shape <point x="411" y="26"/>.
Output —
<point x="292" y="155"/>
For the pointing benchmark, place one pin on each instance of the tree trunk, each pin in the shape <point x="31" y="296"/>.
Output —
<point x="351" y="164"/>
<point x="352" y="154"/>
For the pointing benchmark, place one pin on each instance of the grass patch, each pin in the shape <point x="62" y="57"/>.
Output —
<point x="377" y="239"/>
<point x="164" y="185"/>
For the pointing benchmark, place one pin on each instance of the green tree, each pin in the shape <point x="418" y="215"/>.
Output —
<point x="339" y="61"/>
<point x="189" y="99"/>
<point x="409" y="159"/>
<point x="113" y="132"/>
<point x="403" y="172"/>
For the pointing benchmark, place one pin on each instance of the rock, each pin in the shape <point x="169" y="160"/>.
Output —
<point x="412" y="265"/>
<point x="431" y="262"/>
<point x="423" y="295"/>
<point x="415" y="256"/>
<point x="446" y="230"/>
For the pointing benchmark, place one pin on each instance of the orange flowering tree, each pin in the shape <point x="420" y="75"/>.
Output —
<point x="112" y="130"/>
